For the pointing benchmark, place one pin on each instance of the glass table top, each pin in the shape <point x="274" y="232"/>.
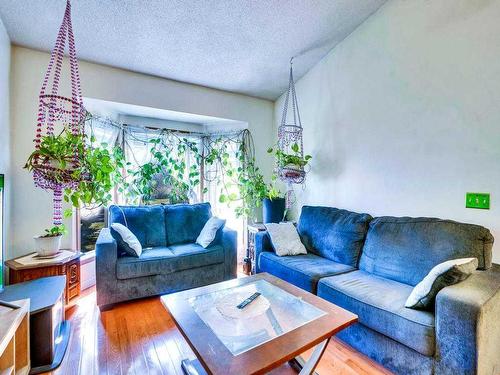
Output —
<point x="272" y="314"/>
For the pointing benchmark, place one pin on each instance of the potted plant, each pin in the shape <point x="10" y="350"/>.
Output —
<point x="273" y="204"/>
<point x="88" y="181"/>
<point x="97" y="171"/>
<point x="55" y="155"/>
<point x="49" y="244"/>
<point x="291" y="165"/>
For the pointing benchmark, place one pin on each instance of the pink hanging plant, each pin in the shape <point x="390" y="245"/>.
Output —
<point x="59" y="117"/>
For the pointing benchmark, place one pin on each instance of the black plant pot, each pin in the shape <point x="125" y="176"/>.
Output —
<point x="273" y="210"/>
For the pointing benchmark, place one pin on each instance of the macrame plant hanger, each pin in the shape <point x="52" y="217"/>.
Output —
<point x="56" y="114"/>
<point x="290" y="142"/>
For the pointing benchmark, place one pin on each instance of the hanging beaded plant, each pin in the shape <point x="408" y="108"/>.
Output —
<point x="290" y="159"/>
<point x="59" y="118"/>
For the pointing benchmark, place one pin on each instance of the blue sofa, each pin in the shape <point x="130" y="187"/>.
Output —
<point x="171" y="260"/>
<point x="370" y="265"/>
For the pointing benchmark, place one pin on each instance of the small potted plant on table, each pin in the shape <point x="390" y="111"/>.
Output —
<point x="49" y="244"/>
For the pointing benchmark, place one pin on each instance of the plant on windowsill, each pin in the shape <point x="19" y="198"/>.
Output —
<point x="165" y="178"/>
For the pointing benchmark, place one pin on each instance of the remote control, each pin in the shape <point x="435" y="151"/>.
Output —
<point x="248" y="300"/>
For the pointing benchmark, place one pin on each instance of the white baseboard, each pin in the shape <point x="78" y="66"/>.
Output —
<point x="87" y="271"/>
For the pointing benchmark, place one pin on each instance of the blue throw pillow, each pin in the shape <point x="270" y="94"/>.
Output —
<point x="126" y="240"/>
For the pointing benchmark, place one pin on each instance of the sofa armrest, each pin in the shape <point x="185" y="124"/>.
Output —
<point x="106" y="255"/>
<point x="467" y="329"/>
<point x="229" y="240"/>
<point x="262" y="243"/>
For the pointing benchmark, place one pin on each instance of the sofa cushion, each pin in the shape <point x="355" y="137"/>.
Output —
<point x="165" y="260"/>
<point x="147" y="223"/>
<point x="184" y="222"/>
<point x="379" y="304"/>
<point x="303" y="271"/>
<point x="405" y="249"/>
<point x="333" y="233"/>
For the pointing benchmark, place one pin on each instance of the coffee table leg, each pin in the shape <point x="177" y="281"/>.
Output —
<point x="192" y="367"/>
<point x="308" y="367"/>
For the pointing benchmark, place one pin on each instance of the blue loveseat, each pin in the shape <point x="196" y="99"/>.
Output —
<point x="370" y="265"/>
<point x="171" y="260"/>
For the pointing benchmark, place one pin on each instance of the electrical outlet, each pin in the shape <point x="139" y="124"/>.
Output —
<point x="477" y="200"/>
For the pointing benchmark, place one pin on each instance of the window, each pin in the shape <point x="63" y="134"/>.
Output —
<point x="171" y="164"/>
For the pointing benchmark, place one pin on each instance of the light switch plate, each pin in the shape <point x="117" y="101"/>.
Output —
<point x="477" y="200"/>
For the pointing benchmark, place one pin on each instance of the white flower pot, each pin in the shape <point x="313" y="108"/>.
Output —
<point x="46" y="246"/>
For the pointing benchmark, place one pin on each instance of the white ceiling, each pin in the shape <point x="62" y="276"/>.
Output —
<point x="236" y="45"/>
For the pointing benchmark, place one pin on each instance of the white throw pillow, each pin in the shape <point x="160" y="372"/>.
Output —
<point x="129" y="241"/>
<point x="444" y="274"/>
<point x="209" y="231"/>
<point x="285" y="239"/>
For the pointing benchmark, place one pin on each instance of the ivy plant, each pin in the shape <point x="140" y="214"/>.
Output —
<point x="166" y="175"/>
<point x="58" y="150"/>
<point x="249" y="182"/>
<point x="99" y="168"/>
<point x="294" y="158"/>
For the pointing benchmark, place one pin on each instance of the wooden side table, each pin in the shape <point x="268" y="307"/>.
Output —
<point x="69" y="267"/>
<point x="252" y="230"/>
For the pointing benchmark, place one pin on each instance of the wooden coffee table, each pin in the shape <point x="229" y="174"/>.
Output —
<point x="283" y="322"/>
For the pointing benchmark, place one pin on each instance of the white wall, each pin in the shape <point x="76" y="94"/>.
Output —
<point x="5" y="148"/>
<point x="403" y="117"/>
<point x="32" y="208"/>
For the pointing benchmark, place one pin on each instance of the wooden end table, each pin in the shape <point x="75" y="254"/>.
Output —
<point x="69" y="267"/>
<point x="279" y="325"/>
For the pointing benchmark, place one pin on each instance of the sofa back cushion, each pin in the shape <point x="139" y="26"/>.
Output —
<point x="147" y="223"/>
<point x="184" y="222"/>
<point x="405" y="249"/>
<point x="333" y="233"/>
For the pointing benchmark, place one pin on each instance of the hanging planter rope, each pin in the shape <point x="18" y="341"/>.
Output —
<point x="57" y="115"/>
<point x="290" y="155"/>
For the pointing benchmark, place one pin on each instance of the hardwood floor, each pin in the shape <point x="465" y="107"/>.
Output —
<point x="141" y="338"/>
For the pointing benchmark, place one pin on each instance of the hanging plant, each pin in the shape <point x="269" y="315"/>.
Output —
<point x="289" y="152"/>
<point x="54" y="156"/>
<point x="292" y="161"/>
<point x="98" y="170"/>
<point x="102" y="168"/>
<point x="59" y="144"/>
